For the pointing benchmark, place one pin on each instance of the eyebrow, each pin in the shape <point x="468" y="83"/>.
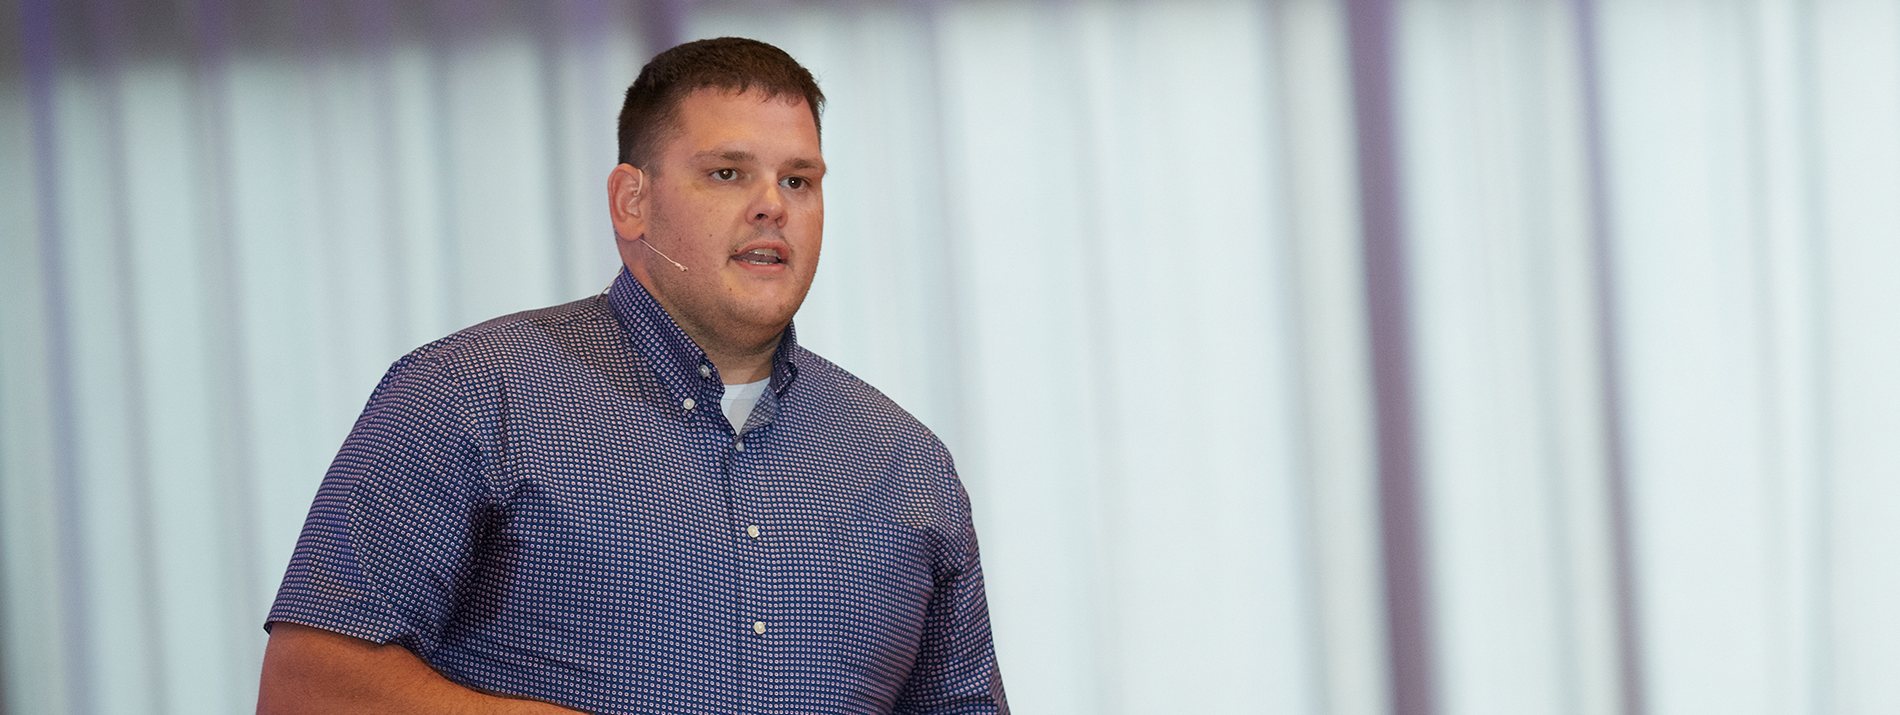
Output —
<point x="736" y="156"/>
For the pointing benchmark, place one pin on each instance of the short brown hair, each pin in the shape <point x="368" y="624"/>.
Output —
<point x="734" y="64"/>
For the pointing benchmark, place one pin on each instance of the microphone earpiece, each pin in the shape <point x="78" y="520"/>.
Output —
<point x="656" y="251"/>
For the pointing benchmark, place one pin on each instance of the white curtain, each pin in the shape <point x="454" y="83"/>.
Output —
<point x="1114" y="253"/>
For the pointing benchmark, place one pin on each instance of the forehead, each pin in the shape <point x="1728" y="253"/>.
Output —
<point x="714" y="118"/>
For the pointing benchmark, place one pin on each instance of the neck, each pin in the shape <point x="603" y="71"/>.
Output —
<point x="739" y="365"/>
<point x="740" y="358"/>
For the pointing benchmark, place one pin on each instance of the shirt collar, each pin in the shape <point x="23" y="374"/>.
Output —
<point x="675" y="358"/>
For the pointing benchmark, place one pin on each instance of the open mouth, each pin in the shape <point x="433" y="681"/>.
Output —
<point x="760" y="257"/>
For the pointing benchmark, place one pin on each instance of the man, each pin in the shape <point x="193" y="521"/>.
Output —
<point x="545" y="511"/>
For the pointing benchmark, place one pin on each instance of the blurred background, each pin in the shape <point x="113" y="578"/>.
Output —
<point x="1316" y="356"/>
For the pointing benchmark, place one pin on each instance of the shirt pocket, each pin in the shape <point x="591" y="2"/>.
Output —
<point x="869" y="582"/>
<point x="559" y="567"/>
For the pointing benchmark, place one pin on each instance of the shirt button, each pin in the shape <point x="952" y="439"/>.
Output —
<point x="752" y="531"/>
<point x="738" y="445"/>
<point x="705" y="371"/>
<point x="687" y="403"/>
<point x="758" y="627"/>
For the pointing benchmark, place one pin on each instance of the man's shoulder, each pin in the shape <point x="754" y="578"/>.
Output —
<point x="541" y="333"/>
<point x="859" y="403"/>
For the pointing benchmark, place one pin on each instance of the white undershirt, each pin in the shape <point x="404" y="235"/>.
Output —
<point x="739" y="400"/>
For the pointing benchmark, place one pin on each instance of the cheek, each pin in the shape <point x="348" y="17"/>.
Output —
<point x="703" y="213"/>
<point x="816" y="221"/>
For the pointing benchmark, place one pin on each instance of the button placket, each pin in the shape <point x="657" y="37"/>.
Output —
<point x="752" y="553"/>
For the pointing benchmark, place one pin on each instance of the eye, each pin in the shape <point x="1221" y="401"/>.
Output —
<point x="795" y="182"/>
<point x="725" y="174"/>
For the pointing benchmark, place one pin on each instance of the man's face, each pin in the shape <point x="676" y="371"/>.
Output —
<point x="733" y="194"/>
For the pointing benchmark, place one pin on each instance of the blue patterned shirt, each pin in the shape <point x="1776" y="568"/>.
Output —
<point x="550" y="504"/>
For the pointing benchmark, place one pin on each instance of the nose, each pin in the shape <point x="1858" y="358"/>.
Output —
<point x="769" y="205"/>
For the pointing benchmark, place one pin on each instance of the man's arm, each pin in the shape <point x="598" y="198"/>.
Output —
<point x="390" y="538"/>
<point x="955" y="672"/>
<point x="311" y="670"/>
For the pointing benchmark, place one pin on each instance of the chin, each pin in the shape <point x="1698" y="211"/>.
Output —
<point x="777" y="310"/>
<point x="762" y="315"/>
<point x="773" y="322"/>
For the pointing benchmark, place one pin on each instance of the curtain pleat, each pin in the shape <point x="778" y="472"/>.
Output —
<point x="1610" y="410"/>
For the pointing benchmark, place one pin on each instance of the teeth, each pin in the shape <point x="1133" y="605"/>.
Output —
<point x="761" y="256"/>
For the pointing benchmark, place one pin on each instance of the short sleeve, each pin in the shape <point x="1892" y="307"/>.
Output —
<point x="956" y="669"/>
<point x="392" y="533"/>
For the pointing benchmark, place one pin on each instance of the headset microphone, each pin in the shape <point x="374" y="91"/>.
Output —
<point x="656" y="251"/>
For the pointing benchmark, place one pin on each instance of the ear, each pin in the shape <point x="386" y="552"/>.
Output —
<point x="627" y="191"/>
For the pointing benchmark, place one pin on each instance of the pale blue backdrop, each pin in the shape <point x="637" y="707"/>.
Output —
<point x="1318" y="356"/>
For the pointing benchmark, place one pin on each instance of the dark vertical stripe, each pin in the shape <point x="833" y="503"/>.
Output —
<point x="10" y="68"/>
<point x="1629" y="634"/>
<point x="233" y="443"/>
<point x="113" y="35"/>
<point x="75" y="625"/>
<point x="1820" y="620"/>
<point x="1292" y="287"/>
<point x="1402" y="535"/>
